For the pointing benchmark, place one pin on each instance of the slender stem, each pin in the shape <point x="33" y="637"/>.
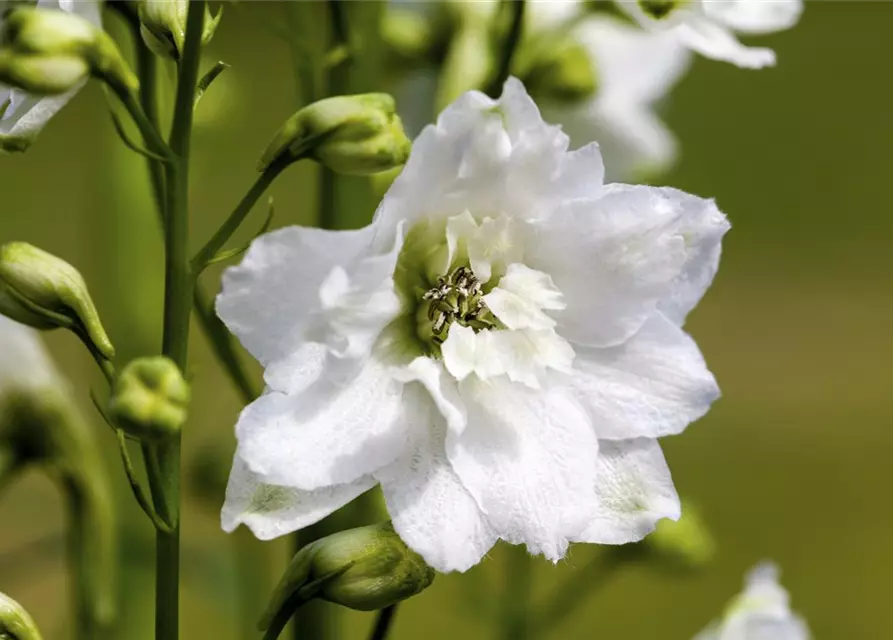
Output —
<point x="238" y="215"/>
<point x="510" y="47"/>
<point x="596" y="575"/>
<point x="516" y="597"/>
<point x="177" y="310"/>
<point x="146" y="127"/>
<point x="383" y="623"/>
<point x="147" y="69"/>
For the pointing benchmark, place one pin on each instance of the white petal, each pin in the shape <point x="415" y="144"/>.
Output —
<point x="271" y="511"/>
<point x="300" y="369"/>
<point x="655" y="384"/>
<point x="459" y="351"/>
<point x="718" y="43"/>
<point x="634" y="490"/>
<point x="269" y="300"/>
<point x="527" y="457"/>
<point x="25" y="362"/>
<point x="755" y="16"/>
<point x="431" y="510"/>
<point x="333" y="432"/>
<point x="442" y="388"/>
<point x="614" y="259"/>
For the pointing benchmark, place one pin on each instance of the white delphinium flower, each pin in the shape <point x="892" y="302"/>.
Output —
<point x="22" y="115"/>
<point x="761" y="612"/>
<point x="499" y="349"/>
<point x="25" y="364"/>
<point x="709" y="26"/>
<point x="633" y="69"/>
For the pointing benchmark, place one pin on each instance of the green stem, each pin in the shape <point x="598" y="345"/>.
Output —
<point x="238" y="215"/>
<point x="516" y="597"/>
<point x="383" y="623"/>
<point x="147" y="69"/>
<point x="510" y="47"/>
<point x="177" y="310"/>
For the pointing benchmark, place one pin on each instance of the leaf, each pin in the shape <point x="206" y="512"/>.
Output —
<point x="207" y="79"/>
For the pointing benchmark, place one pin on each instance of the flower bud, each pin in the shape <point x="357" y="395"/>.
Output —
<point x="149" y="399"/>
<point x="163" y="26"/>
<point x="45" y="292"/>
<point x="364" y="569"/>
<point x="684" y="543"/>
<point x="15" y="622"/>
<point x="359" y="134"/>
<point x="561" y="73"/>
<point x="46" y="51"/>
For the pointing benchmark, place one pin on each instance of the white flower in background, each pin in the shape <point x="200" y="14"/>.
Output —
<point x="761" y="612"/>
<point x="499" y="349"/>
<point x="22" y="115"/>
<point x="24" y="364"/>
<point x="633" y="69"/>
<point x="709" y="26"/>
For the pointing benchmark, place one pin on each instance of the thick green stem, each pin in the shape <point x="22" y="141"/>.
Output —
<point x="383" y="623"/>
<point x="509" y="47"/>
<point x="516" y="597"/>
<point x="179" y="285"/>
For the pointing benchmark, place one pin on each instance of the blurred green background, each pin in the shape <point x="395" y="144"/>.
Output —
<point x="792" y="464"/>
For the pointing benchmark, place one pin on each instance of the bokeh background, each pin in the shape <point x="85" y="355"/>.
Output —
<point x="792" y="464"/>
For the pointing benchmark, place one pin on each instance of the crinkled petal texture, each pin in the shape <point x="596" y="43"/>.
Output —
<point x="760" y="612"/>
<point x="534" y="417"/>
<point x="22" y="115"/>
<point x="709" y="27"/>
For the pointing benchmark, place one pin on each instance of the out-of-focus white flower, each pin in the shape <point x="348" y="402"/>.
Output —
<point x="633" y="69"/>
<point x="709" y="26"/>
<point x="25" y="363"/>
<point x="761" y="612"/>
<point x="500" y="349"/>
<point x="22" y="116"/>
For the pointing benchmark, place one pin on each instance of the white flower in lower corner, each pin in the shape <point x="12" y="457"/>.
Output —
<point x="22" y="115"/>
<point x="709" y="26"/>
<point x="499" y="350"/>
<point x="761" y="612"/>
<point x="633" y="69"/>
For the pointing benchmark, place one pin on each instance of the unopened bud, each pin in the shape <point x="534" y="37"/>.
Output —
<point x="48" y="51"/>
<point x="163" y="26"/>
<point x="45" y="292"/>
<point x="358" y="134"/>
<point x="364" y="569"/>
<point x="15" y="622"/>
<point x="684" y="543"/>
<point x="561" y="73"/>
<point x="149" y="399"/>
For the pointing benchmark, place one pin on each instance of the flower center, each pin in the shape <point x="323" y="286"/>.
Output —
<point x="457" y="297"/>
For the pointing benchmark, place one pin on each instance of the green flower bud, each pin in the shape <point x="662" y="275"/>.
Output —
<point x="685" y="543"/>
<point x="15" y="622"/>
<point x="149" y="399"/>
<point x="364" y="569"/>
<point x="163" y="26"/>
<point x="561" y="73"/>
<point x="359" y="135"/>
<point x="45" y="292"/>
<point x="47" y="51"/>
<point x="660" y="9"/>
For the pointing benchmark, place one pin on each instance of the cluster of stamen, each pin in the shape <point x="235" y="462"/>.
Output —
<point x="457" y="297"/>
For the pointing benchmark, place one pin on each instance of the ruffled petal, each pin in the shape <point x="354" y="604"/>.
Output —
<point x="528" y="458"/>
<point x="271" y="511"/>
<point x="340" y="428"/>
<point x="755" y="16"/>
<point x="272" y="297"/>
<point x="634" y="491"/>
<point x="431" y="510"/>
<point x="717" y="42"/>
<point x="614" y="259"/>
<point x="654" y="384"/>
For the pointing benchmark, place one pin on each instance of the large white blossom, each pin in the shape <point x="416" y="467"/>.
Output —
<point x="634" y="69"/>
<point x="709" y="26"/>
<point x="22" y="115"/>
<point x="761" y="612"/>
<point x="499" y="350"/>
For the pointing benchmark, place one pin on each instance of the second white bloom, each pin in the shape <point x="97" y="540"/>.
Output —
<point x="500" y="349"/>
